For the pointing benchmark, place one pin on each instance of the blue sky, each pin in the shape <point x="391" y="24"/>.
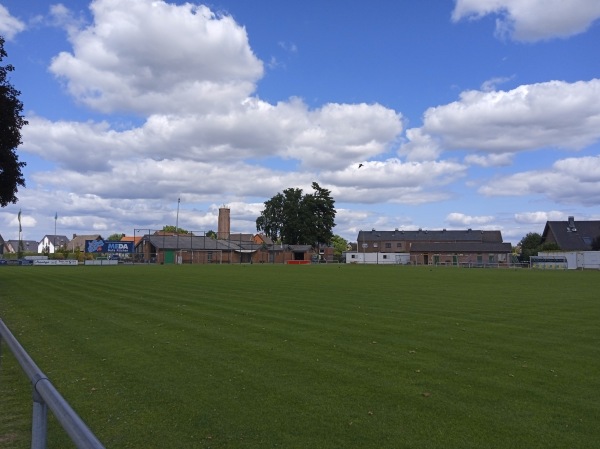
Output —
<point x="465" y="114"/>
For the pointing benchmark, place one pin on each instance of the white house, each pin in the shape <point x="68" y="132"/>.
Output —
<point x="52" y="243"/>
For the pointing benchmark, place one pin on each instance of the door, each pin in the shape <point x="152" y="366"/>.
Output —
<point x="169" y="256"/>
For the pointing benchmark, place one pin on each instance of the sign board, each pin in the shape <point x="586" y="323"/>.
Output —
<point x="45" y="262"/>
<point x="108" y="246"/>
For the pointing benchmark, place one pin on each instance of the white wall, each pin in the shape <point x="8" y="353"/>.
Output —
<point x="578" y="259"/>
<point x="46" y="242"/>
<point x="378" y="258"/>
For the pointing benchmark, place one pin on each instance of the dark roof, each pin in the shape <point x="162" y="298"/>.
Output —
<point x="239" y="237"/>
<point x="28" y="245"/>
<point x="78" y="241"/>
<point x="265" y="238"/>
<point x="299" y="248"/>
<point x="251" y="246"/>
<point x="59" y="239"/>
<point x="572" y="235"/>
<point x="189" y="242"/>
<point x="468" y="235"/>
<point x="461" y="247"/>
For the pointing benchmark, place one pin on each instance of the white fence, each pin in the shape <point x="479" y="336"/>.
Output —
<point x="378" y="258"/>
<point x="576" y="259"/>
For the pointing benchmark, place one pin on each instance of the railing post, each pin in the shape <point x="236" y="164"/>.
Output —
<point x="39" y="424"/>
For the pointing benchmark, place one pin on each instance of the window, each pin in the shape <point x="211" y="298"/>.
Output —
<point x="385" y="256"/>
<point x="399" y="245"/>
<point x="375" y="245"/>
<point x="353" y="256"/>
<point x="388" y="245"/>
<point x="209" y="256"/>
<point x="491" y="258"/>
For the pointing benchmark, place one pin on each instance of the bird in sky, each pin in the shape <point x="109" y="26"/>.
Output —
<point x="360" y="165"/>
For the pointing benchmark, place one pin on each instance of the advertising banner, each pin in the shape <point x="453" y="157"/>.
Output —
<point x="54" y="262"/>
<point x="108" y="246"/>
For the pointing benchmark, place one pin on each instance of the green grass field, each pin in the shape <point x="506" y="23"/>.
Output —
<point x="263" y="356"/>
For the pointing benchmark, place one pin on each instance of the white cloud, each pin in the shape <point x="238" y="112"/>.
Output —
<point x="411" y="195"/>
<point x="27" y="221"/>
<point x="569" y="181"/>
<point x="420" y="146"/>
<point x="289" y="47"/>
<point x="326" y="138"/>
<point x="461" y="220"/>
<point x="10" y="26"/>
<point x="551" y="114"/>
<point x="394" y="181"/>
<point x="394" y="173"/>
<point x="338" y="133"/>
<point x="62" y="17"/>
<point x="80" y="146"/>
<point x="539" y="217"/>
<point x="490" y="160"/>
<point x="155" y="57"/>
<point x="490" y="85"/>
<point x="532" y="20"/>
<point x="155" y="179"/>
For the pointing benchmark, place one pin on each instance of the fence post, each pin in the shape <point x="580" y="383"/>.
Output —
<point x="39" y="424"/>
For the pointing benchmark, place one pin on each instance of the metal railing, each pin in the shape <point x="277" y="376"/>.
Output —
<point x="46" y="396"/>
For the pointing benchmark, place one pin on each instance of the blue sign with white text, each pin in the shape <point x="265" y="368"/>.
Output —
<point x="108" y="246"/>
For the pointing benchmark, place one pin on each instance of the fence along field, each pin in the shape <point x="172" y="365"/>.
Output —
<point x="309" y="356"/>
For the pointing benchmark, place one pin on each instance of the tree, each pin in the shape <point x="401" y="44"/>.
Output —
<point x="297" y="219"/>
<point x="340" y="245"/>
<point x="211" y="234"/>
<point x="529" y="245"/>
<point x="11" y="122"/>
<point x="174" y="230"/>
<point x="549" y="246"/>
<point x="116" y="237"/>
<point x="321" y="212"/>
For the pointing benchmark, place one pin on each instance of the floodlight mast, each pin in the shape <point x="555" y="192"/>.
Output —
<point x="177" y="230"/>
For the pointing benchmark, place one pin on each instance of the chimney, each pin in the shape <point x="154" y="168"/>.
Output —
<point x="571" y="226"/>
<point x="224" y="225"/>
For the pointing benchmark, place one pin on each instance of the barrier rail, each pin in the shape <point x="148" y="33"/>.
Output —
<point x="46" y="396"/>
